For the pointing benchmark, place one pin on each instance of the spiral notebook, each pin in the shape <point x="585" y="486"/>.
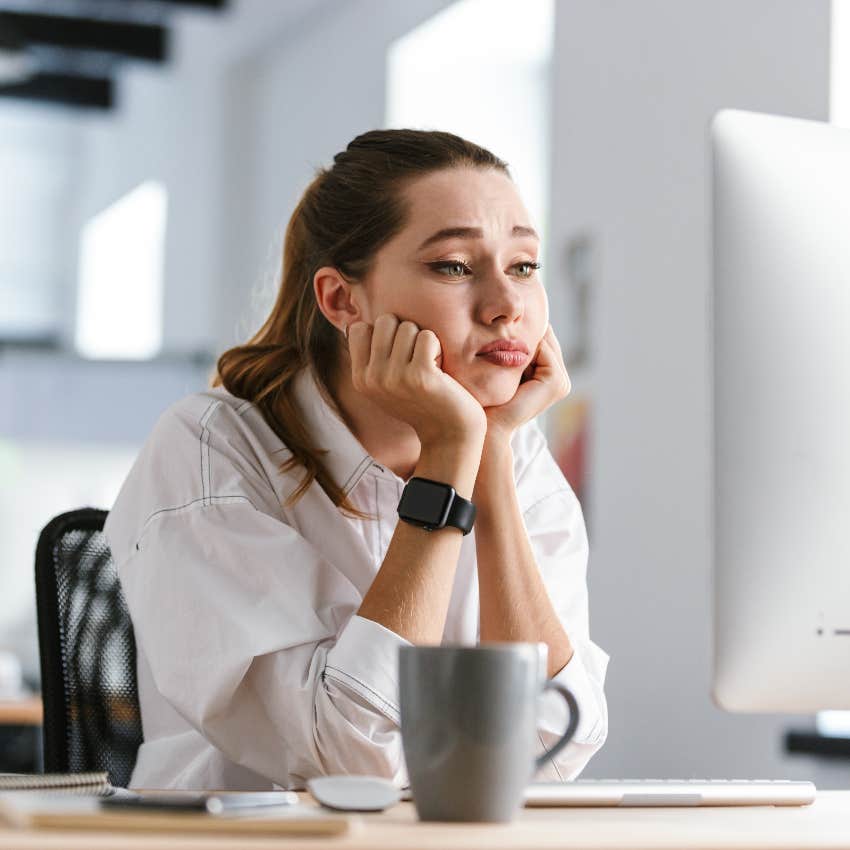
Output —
<point x="95" y="783"/>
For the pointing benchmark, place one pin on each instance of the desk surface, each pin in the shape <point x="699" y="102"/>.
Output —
<point x="24" y="712"/>
<point x="825" y="824"/>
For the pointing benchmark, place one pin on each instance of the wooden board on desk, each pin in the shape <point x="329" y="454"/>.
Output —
<point x="185" y="822"/>
<point x="42" y="812"/>
<point x="22" y="712"/>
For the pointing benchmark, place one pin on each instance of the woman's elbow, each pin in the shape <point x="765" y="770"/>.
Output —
<point x="351" y="736"/>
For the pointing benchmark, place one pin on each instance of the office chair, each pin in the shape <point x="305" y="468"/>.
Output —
<point x="92" y="719"/>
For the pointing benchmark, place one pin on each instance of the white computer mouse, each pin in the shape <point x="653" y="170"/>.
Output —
<point x="354" y="793"/>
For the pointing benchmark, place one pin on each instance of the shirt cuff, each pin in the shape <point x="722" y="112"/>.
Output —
<point x="576" y="677"/>
<point x="365" y="660"/>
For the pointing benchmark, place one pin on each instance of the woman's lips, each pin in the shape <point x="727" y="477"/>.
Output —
<point x="510" y="357"/>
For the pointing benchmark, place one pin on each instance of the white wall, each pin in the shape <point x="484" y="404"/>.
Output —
<point x="634" y="89"/>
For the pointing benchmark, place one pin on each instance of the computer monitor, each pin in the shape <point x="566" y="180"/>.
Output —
<point x="781" y="331"/>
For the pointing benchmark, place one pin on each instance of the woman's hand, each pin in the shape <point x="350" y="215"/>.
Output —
<point x="397" y="366"/>
<point x="544" y="382"/>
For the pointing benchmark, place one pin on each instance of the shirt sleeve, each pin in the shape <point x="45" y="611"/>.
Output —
<point x="253" y="638"/>
<point x="555" y="526"/>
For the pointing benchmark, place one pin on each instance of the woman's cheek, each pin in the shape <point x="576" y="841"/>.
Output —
<point x="452" y="363"/>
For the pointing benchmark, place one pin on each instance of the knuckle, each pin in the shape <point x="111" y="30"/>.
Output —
<point x="371" y="379"/>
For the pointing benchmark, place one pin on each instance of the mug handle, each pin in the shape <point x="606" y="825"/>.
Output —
<point x="571" y="727"/>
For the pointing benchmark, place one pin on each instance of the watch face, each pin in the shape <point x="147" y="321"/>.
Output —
<point x="426" y="502"/>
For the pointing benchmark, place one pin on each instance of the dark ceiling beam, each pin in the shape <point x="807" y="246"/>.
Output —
<point x="202" y="4"/>
<point x="92" y="92"/>
<point x="140" y="41"/>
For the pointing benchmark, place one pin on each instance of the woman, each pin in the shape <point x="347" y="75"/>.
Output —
<point x="258" y="540"/>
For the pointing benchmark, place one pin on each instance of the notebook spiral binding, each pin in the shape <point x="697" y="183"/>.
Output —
<point x="94" y="783"/>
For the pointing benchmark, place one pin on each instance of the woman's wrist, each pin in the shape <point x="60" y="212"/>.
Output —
<point x="495" y="472"/>
<point x="452" y="462"/>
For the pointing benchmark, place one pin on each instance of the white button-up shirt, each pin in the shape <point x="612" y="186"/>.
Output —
<point x="254" y="669"/>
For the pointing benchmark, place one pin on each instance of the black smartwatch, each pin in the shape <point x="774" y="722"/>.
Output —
<point x="433" y="504"/>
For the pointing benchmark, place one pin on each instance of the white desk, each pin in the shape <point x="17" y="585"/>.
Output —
<point x="825" y="824"/>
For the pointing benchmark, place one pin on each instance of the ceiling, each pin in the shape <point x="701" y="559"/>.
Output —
<point x="69" y="52"/>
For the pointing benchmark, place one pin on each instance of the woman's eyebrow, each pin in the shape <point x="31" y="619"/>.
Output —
<point x="473" y="233"/>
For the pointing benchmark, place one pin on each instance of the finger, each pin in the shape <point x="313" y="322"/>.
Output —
<point x="359" y="345"/>
<point x="549" y="351"/>
<point x="533" y="364"/>
<point x="547" y="355"/>
<point x="551" y="365"/>
<point x="427" y="351"/>
<point x="382" y="337"/>
<point x="405" y="338"/>
<point x="556" y="343"/>
<point x="559" y="354"/>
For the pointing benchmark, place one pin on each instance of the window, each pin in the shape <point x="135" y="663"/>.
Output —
<point x="501" y="51"/>
<point x="119" y="307"/>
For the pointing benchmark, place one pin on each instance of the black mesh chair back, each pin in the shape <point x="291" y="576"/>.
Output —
<point x="88" y="652"/>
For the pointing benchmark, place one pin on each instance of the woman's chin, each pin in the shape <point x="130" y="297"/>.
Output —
<point x="496" y="391"/>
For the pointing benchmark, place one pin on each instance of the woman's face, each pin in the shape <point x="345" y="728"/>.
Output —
<point x="470" y="287"/>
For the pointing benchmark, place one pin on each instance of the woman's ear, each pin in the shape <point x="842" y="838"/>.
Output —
<point x="336" y="298"/>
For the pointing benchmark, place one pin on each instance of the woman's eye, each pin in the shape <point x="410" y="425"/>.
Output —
<point x="455" y="268"/>
<point x="532" y="267"/>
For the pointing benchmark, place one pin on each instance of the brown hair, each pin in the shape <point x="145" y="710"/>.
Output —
<point x="346" y="214"/>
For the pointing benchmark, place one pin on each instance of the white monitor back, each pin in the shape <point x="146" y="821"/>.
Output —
<point x="781" y="197"/>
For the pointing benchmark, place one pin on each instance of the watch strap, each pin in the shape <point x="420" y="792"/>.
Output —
<point x="461" y="514"/>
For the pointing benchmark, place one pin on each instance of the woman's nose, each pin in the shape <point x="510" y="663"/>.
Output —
<point x="501" y="301"/>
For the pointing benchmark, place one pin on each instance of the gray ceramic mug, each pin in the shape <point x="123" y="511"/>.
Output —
<point x="469" y="727"/>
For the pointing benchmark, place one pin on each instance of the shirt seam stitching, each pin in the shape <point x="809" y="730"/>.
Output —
<point x="209" y="453"/>
<point x="551" y="758"/>
<point x="351" y="481"/>
<point x="385" y="703"/>
<point x="533" y="505"/>
<point x="206" y="485"/>
<point x="378" y="517"/>
<point x="207" y="502"/>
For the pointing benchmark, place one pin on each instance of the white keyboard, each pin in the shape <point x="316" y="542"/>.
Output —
<point x="671" y="792"/>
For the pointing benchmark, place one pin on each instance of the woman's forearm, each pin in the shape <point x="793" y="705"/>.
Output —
<point x="514" y="602"/>
<point x="410" y="595"/>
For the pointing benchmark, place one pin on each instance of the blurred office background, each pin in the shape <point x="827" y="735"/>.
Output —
<point x="146" y="181"/>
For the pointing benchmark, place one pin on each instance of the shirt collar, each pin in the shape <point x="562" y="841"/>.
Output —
<point x="346" y="459"/>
